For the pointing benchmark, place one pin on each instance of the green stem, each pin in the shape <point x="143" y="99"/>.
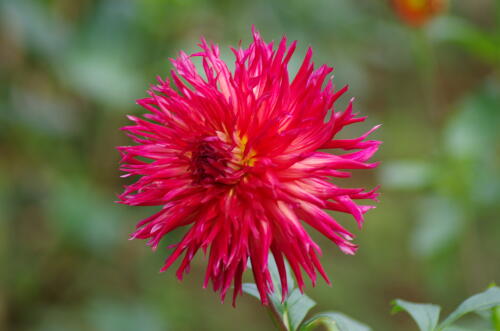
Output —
<point x="275" y="316"/>
<point x="496" y="318"/>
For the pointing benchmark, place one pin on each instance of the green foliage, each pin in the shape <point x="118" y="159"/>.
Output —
<point x="479" y="302"/>
<point x="459" y="184"/>
<point x="427" y="316"/>
<point x="298" y="305"/>
<point x="293" y="309"/>
<point x="460" y="32"/>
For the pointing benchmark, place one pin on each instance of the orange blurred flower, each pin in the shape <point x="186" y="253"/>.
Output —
<point x="418" y="12"/>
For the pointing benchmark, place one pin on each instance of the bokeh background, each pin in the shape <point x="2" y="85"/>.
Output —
<point x="71" y="70"/>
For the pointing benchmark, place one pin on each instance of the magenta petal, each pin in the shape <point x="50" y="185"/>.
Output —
<point x="234" y="158"/>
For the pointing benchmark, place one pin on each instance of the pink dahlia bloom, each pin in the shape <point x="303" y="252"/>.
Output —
<point x="238" y="158"/>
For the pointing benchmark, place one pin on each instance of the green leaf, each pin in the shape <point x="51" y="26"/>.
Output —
<point x="425" y="315"/>
<point x="485" y="300"/>
<point x="297" y="305"/>
<point x="251" y="289"/>
<point x="334" y="321"/>
<point x="275" y="276"/>
<point x="294" y="308"/>
<point x="275" y="297"/>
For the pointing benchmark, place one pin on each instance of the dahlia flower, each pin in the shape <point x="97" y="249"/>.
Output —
<point x="418" y="12"/>
<point x="238" y="158"/>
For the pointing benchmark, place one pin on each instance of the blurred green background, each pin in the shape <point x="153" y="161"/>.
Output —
<point x="71" y="70"/>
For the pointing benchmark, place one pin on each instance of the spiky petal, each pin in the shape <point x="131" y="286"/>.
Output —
<point x="235" y="158"/>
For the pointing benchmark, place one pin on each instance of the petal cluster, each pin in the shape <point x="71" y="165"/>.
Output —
<point x="242" y="159"/>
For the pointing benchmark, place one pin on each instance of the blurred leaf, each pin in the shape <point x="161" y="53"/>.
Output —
<point x="102" y="315"/>
<point x="49" y="114"/>
<point x="406" y="175"/>
<point x="425" y="315"/>
<point x="33" y="24"/>
<point x="103" y="75"/>
<point x="82" y="216"/>
<point x="334" y="321"/>
<point x="458" y="30"/>
<point x="485" y="300"/>
<point x="473" y="130"/>
<point x="107" y="315"/>
<point x="471" y="138"/>
<point x="439" y="222"/>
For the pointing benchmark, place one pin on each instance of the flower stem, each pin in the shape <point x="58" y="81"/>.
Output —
<point x="276" y="317"/>
<point x="496" y="318"/>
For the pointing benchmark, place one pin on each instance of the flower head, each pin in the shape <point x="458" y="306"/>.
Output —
<point x="418" y="12"/>
<point x="236" y="158"/>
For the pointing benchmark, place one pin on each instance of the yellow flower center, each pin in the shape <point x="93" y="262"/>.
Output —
<point x="240" y="150"/>
<point x="241" y="156"/>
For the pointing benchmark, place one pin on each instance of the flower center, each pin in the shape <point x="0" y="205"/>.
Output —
<point x="210" y="160"/>
<point x="215" y="159"/>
